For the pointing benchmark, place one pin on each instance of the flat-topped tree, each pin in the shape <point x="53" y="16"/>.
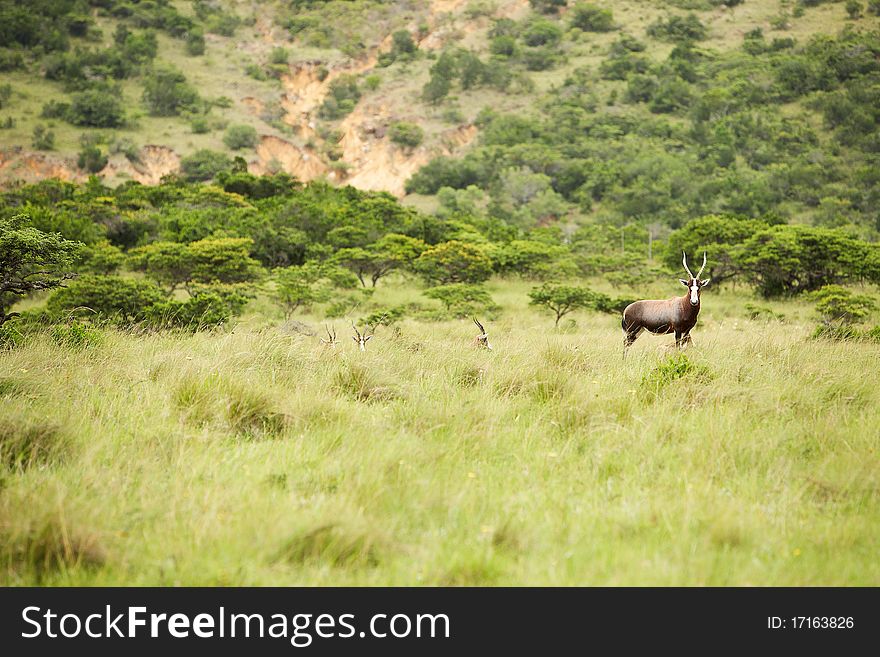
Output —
<point x="31" y="260"/>
<point x="562" y="299"/>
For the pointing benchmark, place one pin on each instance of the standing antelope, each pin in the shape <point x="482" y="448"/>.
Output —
<point x="331" y="340"/>
<point x="361" y="338"/>
<point x="482" y="340"/>
<point x="677" y="315"/>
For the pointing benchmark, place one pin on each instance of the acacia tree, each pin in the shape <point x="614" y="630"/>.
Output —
<point x="563" y="299"/>
<point x="379" y="259"/>
<point x="31" y="260"/>
<point x="311" y="282"/>
<point x="167" y="263"/>
<point x="454" y="262"/>
<point x="211" y="260"/>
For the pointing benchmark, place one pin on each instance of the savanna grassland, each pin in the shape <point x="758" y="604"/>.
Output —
<point x="192" y="191"/>
<point x="257" y="456"/>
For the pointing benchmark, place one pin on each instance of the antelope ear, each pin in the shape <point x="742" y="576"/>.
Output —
<point x="705" y="282"/>
<point x="368" y="338"/>
<point x="354" y="338"/>
<point x="683" y="282"/>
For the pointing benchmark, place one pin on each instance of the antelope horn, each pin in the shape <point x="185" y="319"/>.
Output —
<point x="479" y="326"/>
<point x="684" y="261"/>
<point x="356" y="329"/>
<point x="703" y="267"/>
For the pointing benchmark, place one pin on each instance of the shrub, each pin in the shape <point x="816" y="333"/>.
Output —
<point x="91" y="158"/>
<point x="678" y="28"/>
<point x="240" y="136"/>
<point x="547" y="6"/>
<point x="167" y="93"/>
<point x="195" y="43"/>
<point x="564" y="299"/>
<point x="406" y="134"/>
<point x="836" y="304"/>
<point x="43" y="139"/>
<point x="279" y="56"/>
<point x="503" y="45"/>
<point x="454" y="262"/>
<point x="10" y="60"/>
<point x="124" y="300"/>
<point x="31" y="260"/>
<point x="342" y="97"/>
<point x="540" y="59"/>
<point x="763" y="313"/>
<point x="462" y="299"/>
<point x="542" y="32"/>
<point x="590" y="18"/>
<point x="200" y="125"/>
<point x="402" y="44"/>
<point x="207" y="308"/>
<point x="372" y="82"/>
<point x="96" y="108"/>
<point x="671" y="370"/>
<point x="204" y="164"/>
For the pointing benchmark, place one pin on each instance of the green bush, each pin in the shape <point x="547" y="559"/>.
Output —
<point x="207" y="308"/>
<point x="564" y="299"/>
<point x="542" y="32"/>
<point x="678" y="28"/>
<point x="343" y="95"/>
<point x="167" y="93"/>
<point x="123" y="300"/>
<point x="195" y="43"/>
<point x="671" y="370"/>
<point x="43" y="139"/>
<point x="91" y="158"/>
<point x="462" y="299"/>
<point x="590" y="18"/>
<point x="406" y="134"/>
<point x="835" y="304"/>
<point x="96" y="108"/>
<point x="204" y="164"/>
<point x="240" y="136"/>
<point x="454" y="262"/>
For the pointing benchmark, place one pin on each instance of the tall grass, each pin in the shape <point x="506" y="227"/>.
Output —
<point x="259" y="457"/>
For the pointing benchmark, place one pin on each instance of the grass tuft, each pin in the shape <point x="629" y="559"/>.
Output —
<point x="333" y="545"/>
<point x="27" y="442"/>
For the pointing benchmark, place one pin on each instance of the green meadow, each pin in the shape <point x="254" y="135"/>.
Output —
<point x="255" y="455"/>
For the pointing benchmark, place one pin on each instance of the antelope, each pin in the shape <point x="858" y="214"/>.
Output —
<point x="361" y="338"/>
<point x="677" y="315"/>
<point x="331" y="340"/>
<point x="482" y="340"/>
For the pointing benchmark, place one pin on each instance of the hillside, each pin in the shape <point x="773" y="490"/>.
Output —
<point x="645" y="113"/>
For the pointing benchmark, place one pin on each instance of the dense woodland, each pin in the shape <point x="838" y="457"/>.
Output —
<point x="764" y="155"/>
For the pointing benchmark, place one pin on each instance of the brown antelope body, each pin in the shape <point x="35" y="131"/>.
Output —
<point x="661" y="317"/>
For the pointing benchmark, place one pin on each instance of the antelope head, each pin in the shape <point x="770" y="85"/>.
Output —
<point x="694" y="284"/>
<point x="482" y="340"/>
<point x="361" y="338"/>
<point x="331" y="340"/>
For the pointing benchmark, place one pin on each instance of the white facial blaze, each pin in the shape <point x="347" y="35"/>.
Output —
<point x="695" y="291"/>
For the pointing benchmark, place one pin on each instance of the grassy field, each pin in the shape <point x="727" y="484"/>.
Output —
<point x="258" y="457"/>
